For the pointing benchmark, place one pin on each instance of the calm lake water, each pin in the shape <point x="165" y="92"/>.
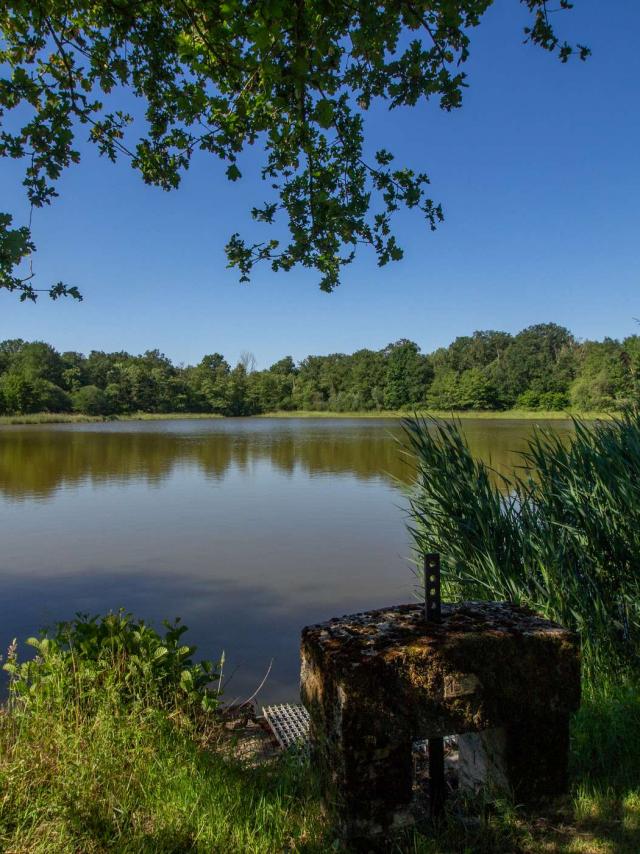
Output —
<point x="248" y="529"/>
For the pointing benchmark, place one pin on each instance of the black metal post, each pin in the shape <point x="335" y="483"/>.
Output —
<point x="437" y="785"/>
<point x="433" y="614"/>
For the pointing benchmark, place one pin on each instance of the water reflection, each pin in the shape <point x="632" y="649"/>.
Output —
<point x="36" y="462"/>
<point x="247" y="529"/>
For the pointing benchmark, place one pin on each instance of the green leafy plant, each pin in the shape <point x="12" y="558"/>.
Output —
<point x="115" y="654"/>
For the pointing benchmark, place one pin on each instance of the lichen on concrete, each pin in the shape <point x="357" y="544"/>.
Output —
<point x="375" y="682"/>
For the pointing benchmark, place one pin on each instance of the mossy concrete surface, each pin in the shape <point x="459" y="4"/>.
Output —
<point x="375" y="682"/>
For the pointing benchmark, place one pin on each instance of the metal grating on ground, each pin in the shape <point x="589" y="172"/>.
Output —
<point x="289" y="723"/>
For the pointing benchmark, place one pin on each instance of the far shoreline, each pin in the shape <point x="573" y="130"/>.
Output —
<point x="44" y="418"/>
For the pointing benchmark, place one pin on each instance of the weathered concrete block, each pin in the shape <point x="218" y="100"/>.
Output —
<point x="375" y="682"/>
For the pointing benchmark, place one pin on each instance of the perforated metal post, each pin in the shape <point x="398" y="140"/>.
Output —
<point x="432" y="601"/>
<point x="433" y="614"/>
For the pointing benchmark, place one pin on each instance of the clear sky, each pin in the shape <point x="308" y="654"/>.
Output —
<point x="539" y="175"/>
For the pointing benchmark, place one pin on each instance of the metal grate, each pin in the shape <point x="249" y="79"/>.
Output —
<point x="289" y="723"/>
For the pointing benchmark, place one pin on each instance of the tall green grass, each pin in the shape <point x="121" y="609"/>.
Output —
<point x="562" y="535"/>
<point x="108" y="743"/>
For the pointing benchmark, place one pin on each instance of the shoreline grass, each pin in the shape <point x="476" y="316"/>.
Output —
<point x="464" y="415"/>
<point x="49" y="418"/>
<point x="96" y="755"/>
<point x="76" y="418"/>
<point x="110" y="742"/>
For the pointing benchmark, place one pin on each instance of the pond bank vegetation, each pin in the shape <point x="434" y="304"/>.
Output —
<point x="105" y="746"/>
<point x="500" y="415"/>
<point x="110" y="739"/>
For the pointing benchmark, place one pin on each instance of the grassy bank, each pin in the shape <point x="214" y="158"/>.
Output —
<point x="74" y="418"/>
<point x="49" y="418"/>
<point x="507" y="415"/>
<point x="105" y="746"/>
<point x="139" y="780"/>
<point x="111" y="741"/>
<point x="502" y="415"/>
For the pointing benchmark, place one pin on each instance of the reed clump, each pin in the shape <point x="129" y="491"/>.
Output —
<point x="561" y="535"/>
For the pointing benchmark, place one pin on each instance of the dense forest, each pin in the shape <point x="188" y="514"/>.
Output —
<point x="542" y="367"/>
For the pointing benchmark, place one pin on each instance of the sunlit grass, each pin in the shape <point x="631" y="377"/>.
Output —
<point x="139" y="782"/>
<point x="88" y="767"/>
<point x="49" y="418"/>
<point x="109" y="743"/>
<point x="506" y="415"/>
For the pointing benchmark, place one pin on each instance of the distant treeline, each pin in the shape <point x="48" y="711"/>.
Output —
<point x="542" y="367"/>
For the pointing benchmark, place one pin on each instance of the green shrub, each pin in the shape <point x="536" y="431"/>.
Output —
<point x="114" y="655"/>
<point x="553" y="400"/>
<point x="91" y="400"/>
<point x="24" y="394"/>
<point x="529" y="399"/>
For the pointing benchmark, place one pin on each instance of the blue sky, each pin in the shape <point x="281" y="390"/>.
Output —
<point x="538" y="173"/>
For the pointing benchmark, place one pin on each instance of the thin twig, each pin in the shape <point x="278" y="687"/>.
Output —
<point x="259" y="688"/>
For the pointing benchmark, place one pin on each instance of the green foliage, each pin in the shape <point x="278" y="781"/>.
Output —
<point x="475" y="391"/>
<point x="32" y="378"/>
<point x="607" y="376"/>
<point x="607" y="725"/>
<point x="472" y="351"/>
<point x="21" y="395"/>
<point x="541" y="358"/>
<point x="471" y="389"/>
<point x="109" y="743"/>
<point x="90" y="400"/>
<point x="220" y="77"/>
<point x="553" y="400"/>
<point x="562" y="536"/>
<point x="116" y="655"/>
<point x="529" y="399"/>
<point x="406" y="375"/>
<point x="549" y="401"/>
<point x="541" y="368"/>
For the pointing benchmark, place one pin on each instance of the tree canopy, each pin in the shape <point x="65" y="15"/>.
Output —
<point x="541" y="368"/>
<point x="294" y="77"/>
